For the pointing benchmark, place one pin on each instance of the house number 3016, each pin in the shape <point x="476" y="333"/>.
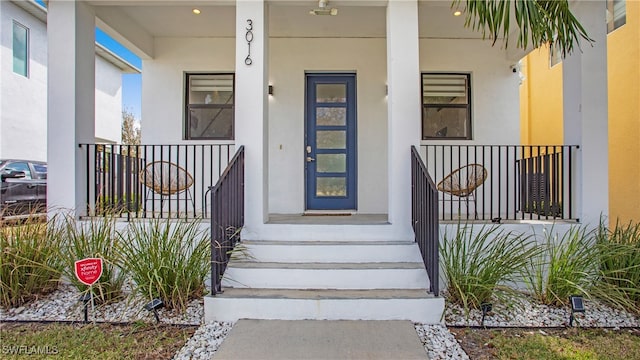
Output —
<point x="249" y="37"/>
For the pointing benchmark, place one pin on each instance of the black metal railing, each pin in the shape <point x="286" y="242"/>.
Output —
<point x="520" y="182"/>
<point x="424" y="218"/>
<point x="227" y="217"/>
<point x="152" y="181"/>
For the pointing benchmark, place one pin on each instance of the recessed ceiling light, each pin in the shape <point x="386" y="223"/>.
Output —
<point x="457" y="13"/>
<point x="196" y="11"/>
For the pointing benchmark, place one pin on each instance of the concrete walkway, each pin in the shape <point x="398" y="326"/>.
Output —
<point x="321" y="339"/>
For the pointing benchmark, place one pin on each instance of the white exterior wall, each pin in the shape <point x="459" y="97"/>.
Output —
<point x="367" y="57"/>
<point x="493" y="83"/>
<point x="163" y="83"/>
<point x="108" y="102"/>
<point x="495" y="99"/>
<point x="23" y="100"/>
<point x="585" y="115"/>
<point x="495" y="120"/>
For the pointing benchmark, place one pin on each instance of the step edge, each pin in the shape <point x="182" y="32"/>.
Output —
<point x="382" y="265"/>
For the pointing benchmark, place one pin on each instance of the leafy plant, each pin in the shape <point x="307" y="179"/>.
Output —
<point x="564" y="266"/>
<point x="97" y="238"/>
<point x="479" y="266"/>
<point x="29" y="266"/>
<point x="539" y="22"/>
<point x="620" y="266"/>
<point x="167" y="260"/>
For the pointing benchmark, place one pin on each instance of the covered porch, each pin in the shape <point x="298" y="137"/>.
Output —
<point x="269" y="111"/>
<point x="321" y="114"/>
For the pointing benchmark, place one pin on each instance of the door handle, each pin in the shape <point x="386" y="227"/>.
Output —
<point x="310" y="159"/>
<point x="308" y="149"/>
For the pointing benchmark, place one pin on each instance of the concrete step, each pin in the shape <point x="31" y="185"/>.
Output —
<point x="332" y="251"/>
<point x="330" y="232"/>
<point x="324" y="304"/>
<point x="377" y="275"/>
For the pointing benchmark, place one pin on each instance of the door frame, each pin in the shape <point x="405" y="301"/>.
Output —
<point x="350" y="79"/>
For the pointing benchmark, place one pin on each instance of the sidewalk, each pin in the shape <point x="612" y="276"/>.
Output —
<point x="321" y="339"/>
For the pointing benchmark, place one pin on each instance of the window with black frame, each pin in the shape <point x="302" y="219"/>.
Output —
<point x="446" y="106"/>
<point x="209" y="106"/>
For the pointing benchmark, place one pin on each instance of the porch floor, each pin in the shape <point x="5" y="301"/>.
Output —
<point x="330" y="218"/>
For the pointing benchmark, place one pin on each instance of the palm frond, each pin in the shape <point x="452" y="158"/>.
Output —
<point x="540" y="22"/>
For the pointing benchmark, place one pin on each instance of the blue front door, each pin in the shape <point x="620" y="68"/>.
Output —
<point x="330" y="144"/>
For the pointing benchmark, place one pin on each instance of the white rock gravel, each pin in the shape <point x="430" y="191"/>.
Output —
<point x="204" y="342"/>
<point x="64" y="305"/>
<point x="439" y="343"/>
<point x="527" y="313"/>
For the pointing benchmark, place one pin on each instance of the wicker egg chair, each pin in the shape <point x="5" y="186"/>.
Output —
<point x="463" y="182"/>
<point x="166" y="179"/>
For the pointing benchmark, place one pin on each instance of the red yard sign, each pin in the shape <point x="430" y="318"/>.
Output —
<point x="89" y="270"/>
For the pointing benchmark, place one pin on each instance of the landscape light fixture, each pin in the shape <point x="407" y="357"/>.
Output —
<point x="196" y="11"/>
<point x="85" y="298"/>
<point x="577" y="306"/>
<point x="486" y="308"/>
<point x="457" y="13"/>
<point x="154" y="305"/>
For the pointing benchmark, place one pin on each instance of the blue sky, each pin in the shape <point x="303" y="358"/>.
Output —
<point x="131" y="83"/>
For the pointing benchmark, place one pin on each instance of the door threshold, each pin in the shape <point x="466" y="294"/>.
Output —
<point x="335" y="218"/>
<point x="328" y="213"/>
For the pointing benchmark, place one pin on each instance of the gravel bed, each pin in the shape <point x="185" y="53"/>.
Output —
<point x="204" y="342"/>
<point x="439" y="343"/>
<point x="525" y="312"/>
<point x="64" y="305"/>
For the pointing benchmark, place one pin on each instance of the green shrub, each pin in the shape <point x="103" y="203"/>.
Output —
<point x="479" y="266"/>
<point x="563" y="267"/>
<point x="167" y="260"/>
<point x="29" y="266"/>
<point x="97" y="238"/>
<point x="620" y="266"/>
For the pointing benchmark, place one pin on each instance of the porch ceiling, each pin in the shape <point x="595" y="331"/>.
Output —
<point x="287" y="18"/>
<point x="356" y="18"/>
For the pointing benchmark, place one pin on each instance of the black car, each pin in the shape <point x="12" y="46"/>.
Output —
<point x="23" y="187"/>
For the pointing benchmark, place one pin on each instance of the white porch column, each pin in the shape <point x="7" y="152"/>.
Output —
<point x="71" y="101"/>
<point x="251" y="111"/>
<point x="585" y="114"/>
<point x="404" y="106"/>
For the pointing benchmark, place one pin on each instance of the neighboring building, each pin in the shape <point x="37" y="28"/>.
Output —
<point x="23" y="108"/>
<point x="327" y="110"/>
<point x="542" y="105"/>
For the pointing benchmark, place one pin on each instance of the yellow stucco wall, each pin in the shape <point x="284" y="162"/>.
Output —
<point x="541" y="100"/>
<point x="623" y="63"/>
<point x="541" y="111"/>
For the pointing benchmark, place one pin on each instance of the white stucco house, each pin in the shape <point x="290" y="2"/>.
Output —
<point x="23" y="108"/>
<point x="323" y="102"/>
